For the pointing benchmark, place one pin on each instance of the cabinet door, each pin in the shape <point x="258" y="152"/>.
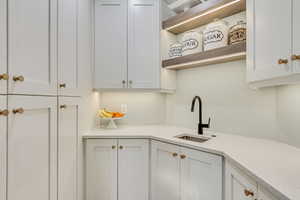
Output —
<point x="265" y="195"/>
<point x="32" y="148"/>
<point x="101" y="169"/>
<point x="201" y="175"/>
<point x="143" y="44"/>
<point x="67" y="48"/>
<point x="165" y="172"/>
<point x="110" y="44"/>
<point x="68" y="135"/>
<point x="296" y="33"/>
<point x="32" y="47"/>
<point x="3" y="134"/>
<point x="133" y="169"/>
<point x="238" y="186"/>
<point x="269" y="38"/>
<point x="3" y="48"/>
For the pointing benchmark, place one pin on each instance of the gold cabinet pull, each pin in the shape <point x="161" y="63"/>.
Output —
<point x="121" y="147"/>
<point x="248" y="193"/>
<point x="18" y="78"/>
<point x="4" y="77"/>
<point x="283" y="61"/>
<point x="174" y="154"/>
<point x="18" y="111"/>
<point x="295" y="57"/>
<point x="63" y="85"/>
<point x="113" y="147"/>
<point x="182" y="156"/>
<point x="63" y="106"/>
<point x="4" y="112"/>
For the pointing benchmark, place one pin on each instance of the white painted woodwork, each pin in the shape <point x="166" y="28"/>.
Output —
<point x="3" y="139"/>
<point x="165" y="171"/>
<point x="3" y="45"/>
<point x="143" y="44"/>
<point x="133" y="169"/>
<point x="296" y="33"/>
<point x="110" y="44"/>
<point x="270" y="39"/>
<point x="67" y="47"/>
<point x="265" y="195"/>
<point x="68" y="138"/>
<point x="32" y="148"/>
<point x="201" y="175"/>
<point x="32" y="46"/>
<point x="236" y="183"/>
<point x="101" y="169"/>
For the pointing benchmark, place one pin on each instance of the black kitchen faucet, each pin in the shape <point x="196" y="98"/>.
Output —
<point x="200" y="125"/>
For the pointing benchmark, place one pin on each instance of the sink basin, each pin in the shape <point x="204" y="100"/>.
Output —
<point x="193" y="138"/>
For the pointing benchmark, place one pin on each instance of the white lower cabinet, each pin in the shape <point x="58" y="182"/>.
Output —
<point x="185" y="174"/>
<point x="68" y="138"/>
<point x="239" y="186"/>
<point x="3" y="134"/>
<point x="117" y="169"/>
<point x="32" y="148"/>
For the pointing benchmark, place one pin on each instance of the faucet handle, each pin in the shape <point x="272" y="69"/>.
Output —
<point x="207" y="125"/>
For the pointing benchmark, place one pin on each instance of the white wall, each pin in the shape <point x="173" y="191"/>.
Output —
<point x="143" y="107"/>
<point x="233" y="107"/>
<point x="288" y="101"/>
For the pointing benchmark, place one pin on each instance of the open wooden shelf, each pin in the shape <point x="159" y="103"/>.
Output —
<point x="202" y="14"/>
<point x="214" y="56"/>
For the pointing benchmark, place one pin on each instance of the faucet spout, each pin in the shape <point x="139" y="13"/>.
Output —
<point x="200" y="124"/>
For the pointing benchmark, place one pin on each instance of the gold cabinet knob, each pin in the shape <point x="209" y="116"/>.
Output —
<point x="182" y="156"/>
<point x="63" y="85"/>
<point x="18" y="78"/>
<point x="113" y="147"/>
<point x="4" y="112"/>
<point x="63" y="106"/>
<point x="4" y="77"/>
<point x="174" y="154"/>
<point x="295" y="57"/>
<point x="283" y="61"/>
<point x="248" y="193"/>
<point x="121" y="147"/>
<point x="18" y="111"/>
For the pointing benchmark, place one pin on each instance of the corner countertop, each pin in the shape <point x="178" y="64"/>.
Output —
<point x="274" y="165"/>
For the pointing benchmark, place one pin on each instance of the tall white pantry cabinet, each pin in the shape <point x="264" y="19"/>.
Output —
<point x="40" y="91"/>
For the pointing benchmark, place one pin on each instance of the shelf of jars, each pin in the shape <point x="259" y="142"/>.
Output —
<point x="206" y="37"/>
<point x="203" y="13"/>
<point x="219" y="55"/>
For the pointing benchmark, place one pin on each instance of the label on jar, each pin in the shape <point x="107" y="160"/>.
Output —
<point x="237" y="35"/>
<point x="190" y="44"/>
<point x="213" y="36"/>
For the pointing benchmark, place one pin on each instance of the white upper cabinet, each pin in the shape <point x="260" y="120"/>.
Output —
<point x="201" y="175"/>
<point x="32" y="47"/>
<point x="272" y="42"/>
<point x="3" y="48"/>
<point x="143" y="44"/>
<point x="3" y="134"/>
<point x="165" y="171"/>
<point x="133" y="169"/>
<point x="265" y="195"/>
<point x="110" y="44"/>
<point x="296" y="38"/>
<point x="32" y="148"/>
<point x="101" y="169"/>
<point x="67" y="48"/>
<point x="68" y="137"/>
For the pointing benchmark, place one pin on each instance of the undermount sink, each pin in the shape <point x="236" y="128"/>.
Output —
<point x="193" y="138"/>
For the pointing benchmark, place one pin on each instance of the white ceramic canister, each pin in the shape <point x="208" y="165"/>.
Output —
<point x="215" y="35"/>
<point x="175" y="50"/>
<point x="191" y="42"/>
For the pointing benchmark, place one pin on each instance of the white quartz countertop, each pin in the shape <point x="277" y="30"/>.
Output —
<point x="273" y="164"/>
